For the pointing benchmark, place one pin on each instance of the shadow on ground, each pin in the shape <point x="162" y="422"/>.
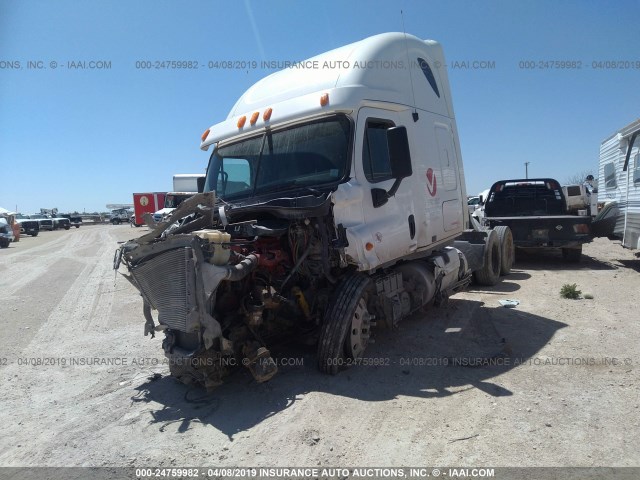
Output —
<point x="632" y="264"/>
<point x="505" y="286"/>
<point x="460" y="346"/>
<point x="551" y="259"/>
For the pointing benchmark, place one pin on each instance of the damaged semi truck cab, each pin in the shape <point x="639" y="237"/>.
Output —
<point x="334" y="203"/>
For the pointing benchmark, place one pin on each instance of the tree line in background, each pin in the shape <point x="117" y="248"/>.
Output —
<point x="579" y="178"/>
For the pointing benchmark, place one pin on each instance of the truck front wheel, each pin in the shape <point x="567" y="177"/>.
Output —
<point x="507" y="248"/>
<point x="489" y="274"/>
<point x="572" y="255"/>
<point x="346" y="327"/>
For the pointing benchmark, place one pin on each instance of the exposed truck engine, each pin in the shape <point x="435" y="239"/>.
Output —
<point x="334" y="204"/>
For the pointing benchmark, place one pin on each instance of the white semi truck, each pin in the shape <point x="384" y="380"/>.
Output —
<point x="334" y="204"/>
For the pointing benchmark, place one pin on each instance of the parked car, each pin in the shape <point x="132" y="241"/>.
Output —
<point x="61" y="222"/>
<point x="75" y="220"/>
<point x="120" y="215"/>
<point x="478" y="212"/>
<point x="44" y="222"/>
<point x="6" y="233"/>
<point x="472" y="203"/>
<point x="535" y="210"/>
<point x="27" y="225"/>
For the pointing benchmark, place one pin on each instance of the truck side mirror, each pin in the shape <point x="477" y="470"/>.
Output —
<point x="480" y="200"/>
<point x="201" y="181"/>
<point x="400" y="160"/>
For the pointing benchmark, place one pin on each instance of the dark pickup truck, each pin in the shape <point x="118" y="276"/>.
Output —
<point x="536" y="212"/>
<point x="74" y="220"/>
<point x="28" y="226"/>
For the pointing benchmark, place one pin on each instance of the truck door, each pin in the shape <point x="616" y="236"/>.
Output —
<point x="450" y="193"/>
<point x="391" y="227"/>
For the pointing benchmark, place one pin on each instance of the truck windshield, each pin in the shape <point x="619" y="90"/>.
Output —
<point x="306" y="155"/>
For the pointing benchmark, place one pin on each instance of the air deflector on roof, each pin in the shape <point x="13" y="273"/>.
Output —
<point x="426" y="69"/>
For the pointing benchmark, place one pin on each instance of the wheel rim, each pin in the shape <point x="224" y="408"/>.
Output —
<point x="359" y="334"/>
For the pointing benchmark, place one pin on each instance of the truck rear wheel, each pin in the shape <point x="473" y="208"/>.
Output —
<point x="507" y="249"/>
<point x="572" y="255"/>
<point x="489" y="274"/>
<point x="346" y="327"/>
<point x="34" y="234"/>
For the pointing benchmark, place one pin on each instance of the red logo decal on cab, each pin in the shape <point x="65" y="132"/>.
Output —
<point x="432" y="185"/>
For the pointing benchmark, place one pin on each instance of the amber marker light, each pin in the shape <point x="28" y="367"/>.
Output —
<point x="369" y="246"/>
<point x="324" y="99"/>
<point x="254" y="118"/>
<point x="267" y="114"/>
<point x="241" y="121"/>
<point x="205" y="135"/>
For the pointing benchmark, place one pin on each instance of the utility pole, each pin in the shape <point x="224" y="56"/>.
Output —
<point x="526" y="169"/>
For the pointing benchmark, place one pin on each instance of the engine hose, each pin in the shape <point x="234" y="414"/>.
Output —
<point x="242" y="269"/>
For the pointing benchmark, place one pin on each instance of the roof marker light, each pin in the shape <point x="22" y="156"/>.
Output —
<point x="267" y="114"/>
<point x="254" y="118"/>
<point x="241" y="121"/>
<point x="205" y="135"/>
<point x="324" y="99"/>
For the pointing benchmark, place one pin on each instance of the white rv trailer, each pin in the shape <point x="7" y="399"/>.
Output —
<point x="619" y="181"/>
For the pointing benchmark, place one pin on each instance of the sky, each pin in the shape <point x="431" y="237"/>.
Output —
<point x="78" y="139"/>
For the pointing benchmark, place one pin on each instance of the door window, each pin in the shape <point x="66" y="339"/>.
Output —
<point x="375" y="151"/>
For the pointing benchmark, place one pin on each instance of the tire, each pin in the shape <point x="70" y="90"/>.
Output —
<point x="507" y="249"/>
<point x="4" y="243"/>
<point x="34" y="234"/>
<point x="67" y="227"/>
<point x="77" y="226"/>
<point x="489" y="274"/>
<point x="347" y="312"/>
<point x="572" y="255"/>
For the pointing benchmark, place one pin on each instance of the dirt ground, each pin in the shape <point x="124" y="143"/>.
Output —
<point x="562" y="392"/>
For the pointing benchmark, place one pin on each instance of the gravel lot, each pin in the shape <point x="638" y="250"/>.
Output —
<point x="563" y="392"/>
